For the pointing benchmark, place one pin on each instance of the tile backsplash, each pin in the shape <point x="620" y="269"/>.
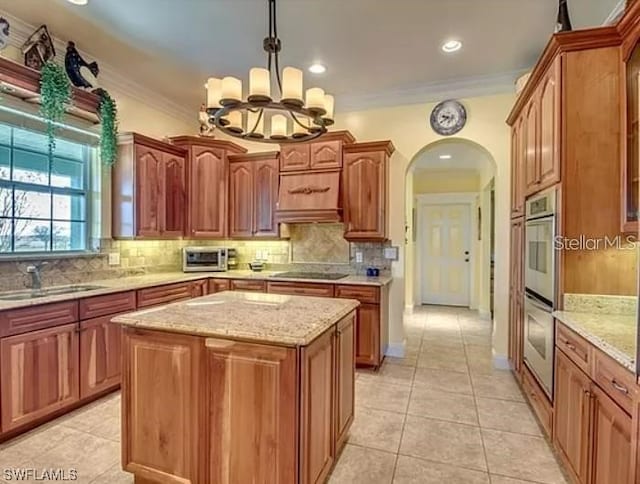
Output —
<point x="314" y="247"/>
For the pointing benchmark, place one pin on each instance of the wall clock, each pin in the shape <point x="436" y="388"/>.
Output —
<point x="448" y="117"/>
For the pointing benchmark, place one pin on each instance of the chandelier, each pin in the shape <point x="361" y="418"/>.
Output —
<point x="292" y="119"/>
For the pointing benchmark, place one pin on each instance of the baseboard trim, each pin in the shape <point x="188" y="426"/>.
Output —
<point x="396" y="350"/>
<point x="484" y="314"/>
<point x="501" y="362"/>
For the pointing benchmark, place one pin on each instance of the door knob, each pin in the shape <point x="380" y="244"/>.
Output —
<point x="466" y="260"/>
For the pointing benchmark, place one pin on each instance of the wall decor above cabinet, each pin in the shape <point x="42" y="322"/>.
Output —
<point x="148" y="189"/>
<point x="207" y="185"/>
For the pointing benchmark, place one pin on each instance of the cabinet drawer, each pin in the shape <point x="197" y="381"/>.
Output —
<point x="218" y="285"/>
<point x="248" y="285"/>
<point x="163" y="294"/>
<point x="575" y="347"/>
<point x="538" y="400"/>
<point x="94" y="307"/>
<point x="326" y="154"/>
<point x="364" y="294"/>
<point x="615" y="380"/>
<point x="23" y="320"/>
<point x="300" y="289"/>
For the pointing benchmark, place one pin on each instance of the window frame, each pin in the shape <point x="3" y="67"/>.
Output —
<point x="85" y="192"/>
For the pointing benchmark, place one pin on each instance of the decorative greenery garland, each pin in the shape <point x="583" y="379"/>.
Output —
<point x="55" y="93"/>
<point x="109" y="135"/>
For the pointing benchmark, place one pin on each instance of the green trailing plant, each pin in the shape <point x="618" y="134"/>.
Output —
<point x="109" y="135"/>
<point x="55" y="94"/>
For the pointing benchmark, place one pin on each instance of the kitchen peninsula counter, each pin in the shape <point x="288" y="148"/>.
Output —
<point x="237" y="387"/>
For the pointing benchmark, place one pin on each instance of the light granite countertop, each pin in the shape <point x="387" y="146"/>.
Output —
<point x="109" y="286"/>
<point x="614" y="334"/>
<point x="246" y="316"/>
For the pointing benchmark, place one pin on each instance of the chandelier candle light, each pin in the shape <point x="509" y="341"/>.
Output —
<point x="298" y="117"/>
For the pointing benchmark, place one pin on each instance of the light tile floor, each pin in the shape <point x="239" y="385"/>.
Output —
<point x="442" y="414"/>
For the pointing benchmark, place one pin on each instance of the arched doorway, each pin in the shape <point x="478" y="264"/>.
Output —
<point x="450" y="225"/>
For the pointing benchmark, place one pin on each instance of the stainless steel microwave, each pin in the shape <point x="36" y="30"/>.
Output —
<point x="205" y="259"/>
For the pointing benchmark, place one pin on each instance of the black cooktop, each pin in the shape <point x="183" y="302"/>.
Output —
<point x="311" y="275"/>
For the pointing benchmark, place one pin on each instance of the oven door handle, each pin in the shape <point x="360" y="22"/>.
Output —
<point x="534" y="302"/>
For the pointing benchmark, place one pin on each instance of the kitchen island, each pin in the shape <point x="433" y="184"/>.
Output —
<point x="237" y="387"/>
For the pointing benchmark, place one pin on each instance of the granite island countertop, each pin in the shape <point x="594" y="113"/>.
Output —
<point x="613" y="334"/>
<point x="246" y="316"/>
<point x="120" y="284"/>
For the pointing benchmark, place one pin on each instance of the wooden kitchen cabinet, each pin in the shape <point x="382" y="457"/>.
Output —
<point x="541" y="129"/>
<point x="368" y="335"/>
<point x="257" y="384"/>
<point x="294" y="157"/>
<point x="517" y="169"/>
<point x="148" y="189"/>
<point x="345" y="346"/>
<point x="572" y="416"/>
<point x="218" y="285"/>
<point x="174" y="426"/>
<point x="631" y="139"/>
<point x="168" y="293"/>
<point x="365" y="190"/>
<point x="324" y="153"/>
<point x="516" y="295"/>
<point x="100" y="355"/>
<point x="611" y="459"/>
<point x="317" y="409"/>
<point x="253" y="195"/>
<point x="247" y="285"/>
<point x="207" y="175"/>
<point x="548" y="171"/>
<point x="39" y="374"/>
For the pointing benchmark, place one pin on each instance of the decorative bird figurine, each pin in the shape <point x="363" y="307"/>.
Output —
<point x="206" y="128"/>
<point x="73" y="62"/>
<point x="4" y="32"/>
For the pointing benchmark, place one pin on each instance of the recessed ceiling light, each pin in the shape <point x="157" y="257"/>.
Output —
<point x="445" y="157"/>
<point x="317" y="68"/>
<point x="78" y="2"/>
<point x="451" y="46"/>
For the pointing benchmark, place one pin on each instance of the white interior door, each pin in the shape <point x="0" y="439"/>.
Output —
<point x="446" y="254"/>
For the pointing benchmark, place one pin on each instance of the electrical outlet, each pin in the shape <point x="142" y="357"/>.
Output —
<point x="114" y="258"/>
<point x="359" y="257"/>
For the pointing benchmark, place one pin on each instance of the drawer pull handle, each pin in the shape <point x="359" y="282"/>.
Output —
<point x="570" y="346"/>
<point x="620" y="388"/>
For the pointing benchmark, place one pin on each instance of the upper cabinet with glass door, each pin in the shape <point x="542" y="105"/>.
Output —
<point x="631" y="143"/>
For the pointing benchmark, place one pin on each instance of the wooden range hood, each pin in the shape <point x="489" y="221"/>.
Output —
<point x="309" y="197"/>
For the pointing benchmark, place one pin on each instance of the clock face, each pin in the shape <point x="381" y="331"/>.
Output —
<point x="448" y="118"/>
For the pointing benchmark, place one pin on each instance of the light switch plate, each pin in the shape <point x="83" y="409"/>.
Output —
<point x="391" y="253"/>
<point x="114" y="258"/>
<point x="359" y="257"/>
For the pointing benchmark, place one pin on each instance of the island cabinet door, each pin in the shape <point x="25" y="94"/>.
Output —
<point x="252" y="402"/>
<point x="39" y="374"/>
<point x="317" y="432"/>
<point x="345" y="378"/>
<point x="162" y="387"/>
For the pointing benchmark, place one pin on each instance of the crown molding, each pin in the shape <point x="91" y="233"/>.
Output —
<point x="616" y="13"/>
<point x="434" y="91"/>
<point x="109" y="76"/>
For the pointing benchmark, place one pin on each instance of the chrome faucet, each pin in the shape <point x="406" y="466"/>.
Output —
<point x="36" y="275"/>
